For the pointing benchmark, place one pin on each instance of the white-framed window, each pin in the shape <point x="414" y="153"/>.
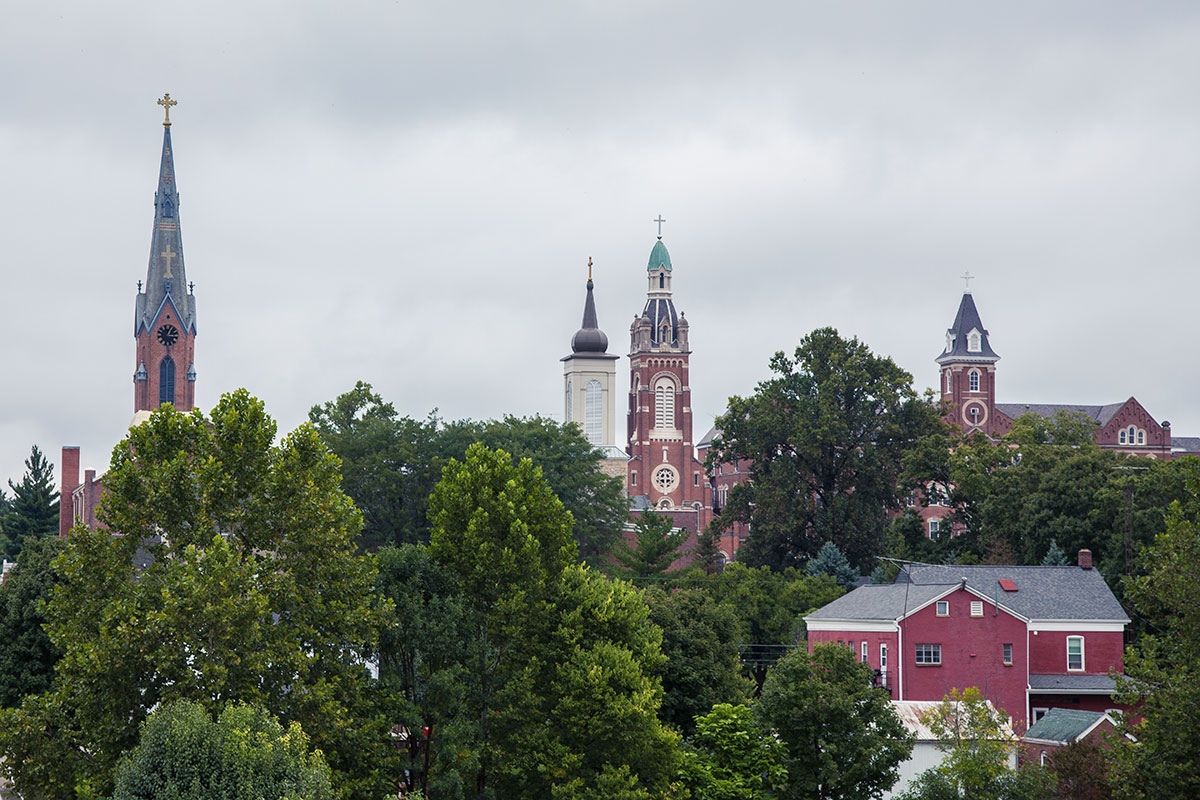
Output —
<point x="633" y="478"/>
<point x="1007" y="651"/>
<point x="1043" y="758"/>
<point x="568" y="399"/>
<point x="883" y="656"/>
<point x="947" y="381"/>
<point x="1075" y="653"/>
<point x="1038" y="713"/>
<point x="664" y="403"/>
<point x="853" y="649"/>
<point x="973" y="377"/>
<point x="593" y="412"/>
<point x="976" y="608"/>
<point x="974" y="341"/>
<point x="864" y="652"/>
<point x="935" y="526"/>
<point x="943" y="608"/>
<point x="929" y="654"/>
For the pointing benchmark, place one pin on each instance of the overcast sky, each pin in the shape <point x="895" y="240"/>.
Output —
<point x="408" y="193"/>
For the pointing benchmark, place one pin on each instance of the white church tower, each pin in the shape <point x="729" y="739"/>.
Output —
<point x="589" y="380"/>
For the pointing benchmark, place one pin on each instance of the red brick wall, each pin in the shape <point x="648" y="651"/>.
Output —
<point x="1102" y="651"/>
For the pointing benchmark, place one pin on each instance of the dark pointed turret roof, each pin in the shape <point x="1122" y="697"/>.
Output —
<point x="166" y="282"/>
<point x="589" y="338"/>
<point x="958" y="336"/>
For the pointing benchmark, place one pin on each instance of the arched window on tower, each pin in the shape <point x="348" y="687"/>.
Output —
<point x="947" y="381"/>
<point x="974" y="378"/>
<point x="662" y="281"/>
<point x="664" y="403"/>
<point x="568" y="415"/>
<point x="166" y="381"/>
<point x="168" y="208"/>
<point x="593" y="412"/>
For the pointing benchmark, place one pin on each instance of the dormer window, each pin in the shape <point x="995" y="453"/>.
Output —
<point x="949" y="342"/>
<point x="974" y="341"/>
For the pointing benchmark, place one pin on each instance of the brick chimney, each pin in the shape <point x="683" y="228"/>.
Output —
<point x="1085" y="559"/>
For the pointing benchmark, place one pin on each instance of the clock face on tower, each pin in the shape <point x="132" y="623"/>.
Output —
<point x="168" y="335"/>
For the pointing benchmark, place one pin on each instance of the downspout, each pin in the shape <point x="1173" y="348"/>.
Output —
<point x="900" y="658"/>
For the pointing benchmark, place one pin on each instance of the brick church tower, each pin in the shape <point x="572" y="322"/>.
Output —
<point x="663" y="467"/>
<point x="164" y="321"/>
<point x="968" y="379"/>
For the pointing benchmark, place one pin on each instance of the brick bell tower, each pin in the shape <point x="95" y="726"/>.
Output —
<point x="968" y="373"/>
<point x="164" y="316"/>
<point x="663" y="466"/>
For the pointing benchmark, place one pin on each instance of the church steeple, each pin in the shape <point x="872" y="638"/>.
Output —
<point x="589" y="338"/>
<point x="968" y="372"/>
<point x="165" y="308"/>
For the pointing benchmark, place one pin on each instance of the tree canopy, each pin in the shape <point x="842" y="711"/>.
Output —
<point x="27" y="656"/>
<point x="392" y="462"/>
<point x="184" y="754"/>
<point x="32" y="511"/>
<point x="826" y="439"/>
<point x="234" y="578"/>
<point x="841" y="738"/>
<point x="656" y="546"/>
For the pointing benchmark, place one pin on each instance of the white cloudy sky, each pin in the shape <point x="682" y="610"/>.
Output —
<point x="408" y="193"/>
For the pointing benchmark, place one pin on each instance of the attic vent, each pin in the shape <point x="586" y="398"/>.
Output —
<point x="1008" y="585"/>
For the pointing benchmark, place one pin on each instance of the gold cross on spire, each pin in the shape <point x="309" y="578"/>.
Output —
<point x="168" y="255"/>
<point x="589" y="268"/>
<point x="166" y="102"/>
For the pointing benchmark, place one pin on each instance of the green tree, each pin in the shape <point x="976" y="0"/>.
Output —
<point x="235" y="578"/>
<point x="33" y="510"/>
<point x="392" y="463"/>
<point x="731" y="758"/>
<point x="1081" y="771"/>
<point x="977" y="744"/>
<point x="1164" y="664"/>
<point x="27" y="656"/>
<point x="563" y="683"/>
<point x="770" y="607"/>
<point x="701" y="642"/>
<point x="183" y="754"/>
<point x="841" y="738"/>
<point x="826" y="439"/>
<point x="656" y="547"/>
<point x="425" y="660"/>
<point x="830" y="561"/>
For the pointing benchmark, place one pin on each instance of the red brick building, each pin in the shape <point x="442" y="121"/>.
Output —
<point x="1029" y="638"/>
<point x="164" y="332"/>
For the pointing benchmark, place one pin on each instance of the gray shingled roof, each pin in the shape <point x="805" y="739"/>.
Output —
<point x="1064" y="725"/>
<point x="707" y="439"/>
<point x="1185" y="444"/>
<point x="1098" y="414"/>
<point x="966" y="319"/>
<point x="1072" y="683"/>
<point x="1043" y="593"/>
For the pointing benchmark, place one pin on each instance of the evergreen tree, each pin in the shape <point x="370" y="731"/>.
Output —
<point x="656" y="547"/>
<point x="1055" y="557"/>
<point x="830" y="561"/>
<point x="33" y="510"/>
<point x="27" y="657"/>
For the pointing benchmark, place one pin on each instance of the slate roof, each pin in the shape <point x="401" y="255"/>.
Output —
<point x="166" y="281"/>
<point x="956" y="336"/>
<point x="1185" y="444"/>
<point x="1072" y="683"/>
<point x="589" y="338"/>
<point x="1064" y="725"/>
<point x="707" y="439"/>
<point x="1101" y="415"/>
<point x="1043" y="593"/>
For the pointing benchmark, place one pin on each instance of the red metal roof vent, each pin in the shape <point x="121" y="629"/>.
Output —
<point x="1008" y="585"/>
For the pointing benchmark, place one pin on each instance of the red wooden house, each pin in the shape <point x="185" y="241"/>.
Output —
<point x="1030" y="638"/>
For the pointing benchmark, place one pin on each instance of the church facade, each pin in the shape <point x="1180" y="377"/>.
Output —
<point x="164" y="332"/>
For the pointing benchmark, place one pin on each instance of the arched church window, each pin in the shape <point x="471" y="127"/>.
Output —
<point x="1141" y="437"/>
<point x="1121" y="437"/>
<point x="664" y="403"/>
<point x="593" y="412"/>
<point x="662" y="281"/>
<point x="168" y="208"/>
<point x="568" y="415"/>
<point x="947" y="381"/>
<point x="974" y="378"/>
<point x="166" y="381"/>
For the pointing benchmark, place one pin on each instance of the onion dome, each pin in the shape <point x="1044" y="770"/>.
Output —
<point x="589" y="338"/>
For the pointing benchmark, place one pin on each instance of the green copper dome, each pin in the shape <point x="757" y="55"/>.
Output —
<point x="659" y="257"/>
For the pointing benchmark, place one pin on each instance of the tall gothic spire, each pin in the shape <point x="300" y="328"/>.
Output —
<point x="166" y="280"/>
